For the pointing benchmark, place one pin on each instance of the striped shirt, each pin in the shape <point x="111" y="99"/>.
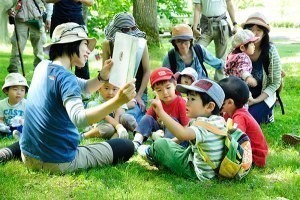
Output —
<point x="271" y="82"/>
<point x="211" y="144"/>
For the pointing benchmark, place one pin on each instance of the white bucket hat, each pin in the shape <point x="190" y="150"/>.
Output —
<point x="191" y="72"/>
<point x="70" y="32"/>
<point x="14" y="79"/>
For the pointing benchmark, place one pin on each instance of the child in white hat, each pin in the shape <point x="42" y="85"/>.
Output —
<point x="238" y="62"/>
<point x="12" y="108"/>
<point x="187" y="76"/>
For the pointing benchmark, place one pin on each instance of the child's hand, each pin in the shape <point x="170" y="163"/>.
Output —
<point x="104" y="73"/>
<point x="156" y="104"/>
<point x="126" y="93"/>
<point x="122" y="132"/>
<point x="141" y="103"/>
<point x="251" y="81"/>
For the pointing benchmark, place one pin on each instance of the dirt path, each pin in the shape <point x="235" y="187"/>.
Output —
<point x="291" y="35"/>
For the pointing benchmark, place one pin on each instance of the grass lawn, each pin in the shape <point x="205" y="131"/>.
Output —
<point x="280" y="179"/>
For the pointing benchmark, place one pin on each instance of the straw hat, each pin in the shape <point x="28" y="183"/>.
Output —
<point x="182" y="31"/>
<point x="70" y="32"/>
<point x="257" y="18"/>
<point x="14" y="79"/>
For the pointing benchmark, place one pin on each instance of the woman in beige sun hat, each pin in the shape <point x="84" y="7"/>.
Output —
<point x="266" y="69"/>
<point x="55" y="110"/>
<point x="187" y="54"/>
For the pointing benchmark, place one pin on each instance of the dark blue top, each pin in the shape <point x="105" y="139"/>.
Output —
<point x="257" y="73"/>
<point x="67" y="9"/>
<point x="48" y="134"/>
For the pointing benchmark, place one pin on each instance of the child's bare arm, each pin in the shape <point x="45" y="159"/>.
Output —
<point x="179" y="131"/>
<point x="118" y="113"/>
<point x="111" y="120"/>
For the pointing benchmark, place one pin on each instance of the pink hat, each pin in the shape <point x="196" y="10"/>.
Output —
<point x="243" y="37"/>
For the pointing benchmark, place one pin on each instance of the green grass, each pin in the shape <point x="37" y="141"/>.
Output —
<point x="137" y="180"/>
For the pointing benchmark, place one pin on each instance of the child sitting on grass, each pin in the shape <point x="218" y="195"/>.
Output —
<point x="187" y="76"/>
<point x="12" y="108"/>
<point x="115" y="124"/>
<point x="238" y="62"/>
<point x="205" y="98"/>
<point x="163" y="83"/>
<point x="236" y="95"/>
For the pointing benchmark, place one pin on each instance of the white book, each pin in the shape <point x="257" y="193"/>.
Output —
<point x="127" y="55"/>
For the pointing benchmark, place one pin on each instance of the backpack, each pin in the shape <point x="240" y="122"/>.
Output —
<point x="199" y="53"/>
<point x="237" y="158"/>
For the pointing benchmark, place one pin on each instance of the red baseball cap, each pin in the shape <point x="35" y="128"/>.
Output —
<point x="160" y="74"/>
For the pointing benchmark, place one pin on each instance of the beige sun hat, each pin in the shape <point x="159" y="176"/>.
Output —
<point x="257" y="18"/>
<point x="182" y="31"/>
<point x="14" y="79"/>
<point x="70" y="32"/>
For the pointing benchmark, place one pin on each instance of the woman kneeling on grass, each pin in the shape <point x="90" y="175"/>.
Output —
<point x="54" y="109"/>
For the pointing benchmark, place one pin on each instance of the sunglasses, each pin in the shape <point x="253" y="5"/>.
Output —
<point x="127" y="29"/>
<point x="182" y="42"/>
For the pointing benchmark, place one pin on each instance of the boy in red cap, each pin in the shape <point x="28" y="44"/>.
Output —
<point x="163" y="83"/>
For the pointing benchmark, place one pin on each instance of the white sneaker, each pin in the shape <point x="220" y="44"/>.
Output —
<point x="143" y="151"/>
<point x="16" y="134"/>
<point x="136" y="145"/>
<point x="157" y="134"/>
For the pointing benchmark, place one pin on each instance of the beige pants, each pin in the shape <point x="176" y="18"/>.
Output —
<point x="93" y="155"/>
<point x="220" y="49"/>
<point x="37" y="38"/>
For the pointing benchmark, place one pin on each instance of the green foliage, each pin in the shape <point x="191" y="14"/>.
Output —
<point x="172" y="9"/>
<point x="103" y="12"/>
<point x="243" y="4"/>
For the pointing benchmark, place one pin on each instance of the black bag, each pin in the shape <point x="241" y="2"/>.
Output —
<point x="44" y="16"/>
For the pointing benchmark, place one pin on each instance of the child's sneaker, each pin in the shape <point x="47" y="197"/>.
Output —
<point x="136" y="145"/>
<point x="143" y="151"/>
<point x="157" y="134"/>
<point x="5" y="155"/>
<point x="16" y="134"/>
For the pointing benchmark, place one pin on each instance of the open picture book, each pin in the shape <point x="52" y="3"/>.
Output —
<point x="127" y="54"/>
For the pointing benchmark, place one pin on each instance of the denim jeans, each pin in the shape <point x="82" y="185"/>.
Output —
<point x="136" y="112"/>
<point x="148" y="124"/>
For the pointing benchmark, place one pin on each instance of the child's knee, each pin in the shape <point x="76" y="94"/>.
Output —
<point x="106" y="130"/>
<point x="128" y="121"/>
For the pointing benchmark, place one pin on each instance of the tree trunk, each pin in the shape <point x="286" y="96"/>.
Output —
<point x="145" y="14"/>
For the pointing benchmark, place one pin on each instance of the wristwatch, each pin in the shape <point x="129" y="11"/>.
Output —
<point x="101" y="79"/>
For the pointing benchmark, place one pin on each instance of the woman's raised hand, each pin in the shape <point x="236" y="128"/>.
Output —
<point x="126" y="93"/>
<point x="105" y="71"/>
